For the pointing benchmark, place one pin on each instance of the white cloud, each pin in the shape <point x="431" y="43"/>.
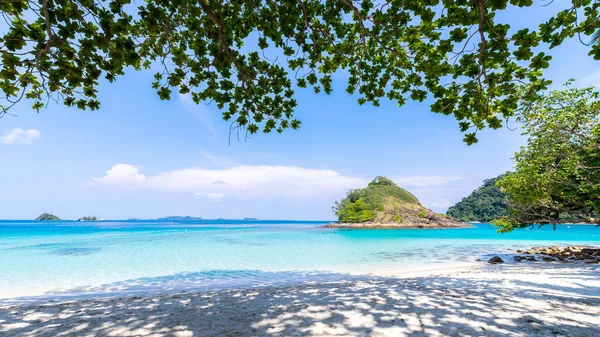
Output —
<point x="19" y="135"/>
<point x="239" y="181"/>
<point x="210" y="196"/>
<point x="123" y="174"/>
<point x="266" y="182"/>
<point x="424" y="181"/>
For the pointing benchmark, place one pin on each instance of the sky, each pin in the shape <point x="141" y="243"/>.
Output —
<point x="140" y="157"/>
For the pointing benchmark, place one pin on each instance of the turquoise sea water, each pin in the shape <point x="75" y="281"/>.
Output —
<point x="132" y="256"/>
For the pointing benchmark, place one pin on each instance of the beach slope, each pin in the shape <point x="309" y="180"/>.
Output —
<point x="503" y="300"/>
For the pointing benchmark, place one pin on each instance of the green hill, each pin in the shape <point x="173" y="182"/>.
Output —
<point x="384" y="204"/>
<point x="486" y="203"/>
<point x="47" y="217"/>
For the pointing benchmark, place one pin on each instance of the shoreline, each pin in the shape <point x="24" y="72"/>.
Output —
<point x="96" y="292"/>
<point x="376" y="225"/>
<point x="498" y="300"/>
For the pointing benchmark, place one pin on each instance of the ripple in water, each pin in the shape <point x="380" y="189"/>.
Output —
<point x="75" y="251"/>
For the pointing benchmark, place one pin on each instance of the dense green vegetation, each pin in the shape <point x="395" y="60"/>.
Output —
<point x="484" y="204"/>
<point x="47" y="217"/>
<point x="249" y="56"/>
<point x="557" y="173"/>
<point x="361" y="205"/>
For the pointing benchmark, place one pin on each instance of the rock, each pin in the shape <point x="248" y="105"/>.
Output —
<point x="519" y="251"/>
<point x="531" y="258"/>
<point x="548" y="259"/>
<point x="495" y="260"/>
<point x="519" y="258"/>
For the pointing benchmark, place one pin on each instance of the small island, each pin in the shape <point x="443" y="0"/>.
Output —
<point x="47" y="217"/>
<point x="383" y="204"/>
<point x="88" y="218"/>
<point x="179" y="218"/>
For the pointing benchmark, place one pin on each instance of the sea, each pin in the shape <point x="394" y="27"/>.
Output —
<point x="68" y="259"/>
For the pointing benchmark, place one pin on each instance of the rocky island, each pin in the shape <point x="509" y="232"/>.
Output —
<point x="383" y="204"/>
<point x="88" y="218"/>
<point x="47" y="217"/>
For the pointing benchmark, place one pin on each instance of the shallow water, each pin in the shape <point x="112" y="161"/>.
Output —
<point x="130" y="256"/>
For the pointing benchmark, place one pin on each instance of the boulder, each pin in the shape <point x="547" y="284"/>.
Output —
<point x="531" y="258"/>
<point x="495" y="260"/>
<point x="548" y="259"/>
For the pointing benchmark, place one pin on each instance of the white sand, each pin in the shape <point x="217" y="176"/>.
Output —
<point x="504" y="300"/>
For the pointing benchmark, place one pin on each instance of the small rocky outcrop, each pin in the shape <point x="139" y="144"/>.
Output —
<point x="568" y="254"/>
<point x="431" y="223"/>
<point x="495" y="260"/>
<point x="88" y="218"/>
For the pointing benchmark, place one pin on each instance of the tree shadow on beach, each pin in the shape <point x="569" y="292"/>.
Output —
<point x="565" y="302"/>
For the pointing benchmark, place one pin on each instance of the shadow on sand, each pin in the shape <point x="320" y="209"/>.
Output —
<point x="565" y="302"/>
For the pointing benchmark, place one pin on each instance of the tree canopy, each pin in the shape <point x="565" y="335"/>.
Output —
<point x="557" y="174"/>
<point x="248" y="56"/>
<point x="485" y="204"/>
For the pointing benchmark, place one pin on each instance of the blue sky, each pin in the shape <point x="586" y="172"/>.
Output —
<point x="142" y="157"/>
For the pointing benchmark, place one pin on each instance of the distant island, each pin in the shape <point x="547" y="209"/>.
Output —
<point x="383" y="204"/>
<point x="88" y="218"/>
<point x="177" y="218"/>
<point x="47" y="217"/>
<point x="484" y="204"/>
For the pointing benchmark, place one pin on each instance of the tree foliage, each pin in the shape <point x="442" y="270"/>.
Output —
<point x="557" y="175"/>
<point x="485" y="204"/>
<point x="247" y="56"/>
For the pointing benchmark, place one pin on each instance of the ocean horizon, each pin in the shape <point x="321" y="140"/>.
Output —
<point x="76" y="259"/>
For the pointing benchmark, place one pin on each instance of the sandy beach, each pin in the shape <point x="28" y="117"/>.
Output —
<point x="540" y="299"/>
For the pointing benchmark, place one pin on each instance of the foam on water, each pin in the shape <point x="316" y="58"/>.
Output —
<point x="62" y="258"/>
